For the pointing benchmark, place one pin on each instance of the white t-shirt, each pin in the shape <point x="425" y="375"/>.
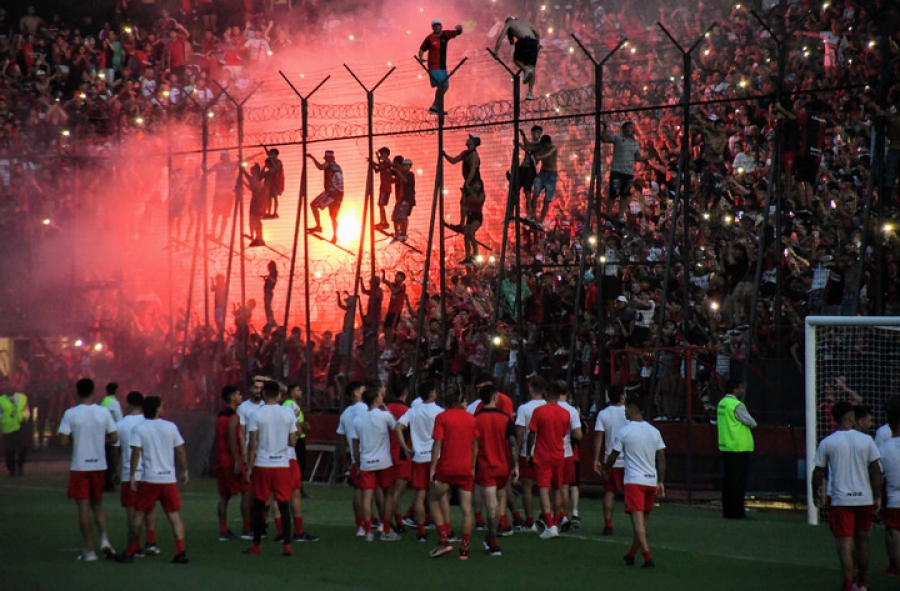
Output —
<point x="574" y="423"/>
<point x="244" y="411"/>
<point x="883" y="434"/>
<point x="638" y="442"/>
<point x="157" y="440"/>
<point x="88" y="424"/>
<point x="473" y="406"/>
<point x="890" y="462"/>
<point x="373" y="429"/>
<point x="610" y="420"/>
<point x="274" y="424"/>
<point x="114" y="408"/>
<point x="124" y="428"/>
<point x="847" y="455"/>
<point x="346" y="422"/>
<point x="420" y="420"/>
<point x="523" y="419"/>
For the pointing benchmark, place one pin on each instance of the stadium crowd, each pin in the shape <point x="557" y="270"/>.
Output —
<point x="98" y="82"/>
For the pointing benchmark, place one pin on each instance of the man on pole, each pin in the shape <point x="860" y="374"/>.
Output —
<point x="471" y="169"/>
<point x="436" y="46"/>
<point x="526" y="39"/>
<point x="331" y="197"/>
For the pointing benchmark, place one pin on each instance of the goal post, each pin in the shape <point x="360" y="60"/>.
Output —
<point x="846" y="357"/>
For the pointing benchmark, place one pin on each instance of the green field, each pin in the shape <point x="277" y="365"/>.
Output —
<point x="693" y="549"/>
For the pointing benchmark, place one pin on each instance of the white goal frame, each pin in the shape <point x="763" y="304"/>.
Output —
<point x="812" y="513"/>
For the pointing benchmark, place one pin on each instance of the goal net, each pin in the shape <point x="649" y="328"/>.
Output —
<point x="850" y="358"/>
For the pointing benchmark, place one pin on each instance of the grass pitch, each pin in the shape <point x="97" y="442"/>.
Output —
<point x="693" y="549"/>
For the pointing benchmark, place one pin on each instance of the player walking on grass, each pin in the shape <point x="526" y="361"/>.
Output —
<point x="890" y="461"/>
<point x="88" y="427"/>
<point x="134" y="406"/>
<point x="453" y="456"/>
<point x="331" y="197"/>
<point x="848" y="460"/>
<point x="374" y="468"/>
<point x="642" y="447"/>
<point x="231" y="470"/>
<point x="399" y="456"/>
<point x="419" y="419"/>
<point x="345" y="436"/>
<point x="546" y="452"/>
<point x="609" y="421"/>
<point x="155" y="444"/>
<point x="273" y="431"/>
<point x="564" y="500"/>
<point x="497" y="460"/>
<point x="292" y="403"/>
<point x="536" y="386"/>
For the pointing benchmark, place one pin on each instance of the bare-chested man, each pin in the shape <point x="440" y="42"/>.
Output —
<point x="547" y="154"/>
<point x="525" y="38"/>
<point x="471" y="170"/>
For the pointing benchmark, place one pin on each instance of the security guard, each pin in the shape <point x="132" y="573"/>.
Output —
<point x="14" y="417"/>
<point x="736" y="444"/>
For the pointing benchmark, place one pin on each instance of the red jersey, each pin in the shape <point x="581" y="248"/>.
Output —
<point x="397" y="410"/>
<point x="550" y="424"/>
<point x="436" y="46"/>
<point x="177" y="56"/>
<point x="456" y="429"/>
<point x="495" y="427"/>
<point x="223" y="457"/>
<point x="398" y="298"/>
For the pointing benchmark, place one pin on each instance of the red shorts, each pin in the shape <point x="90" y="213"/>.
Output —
<point x="127" y="497"/>
<point x="271" y="481"/>
<point x="86" y="485"/>
<point x="403" y="469"/>
<point x="614" y="478"/>
<point x="495" y="477"/>
<point x="846" y="521"/>
<point x="569" y="470"/>
<point x="892" y="518"/>
<point x="526" y="470"/>
<point x="296" y="477"/>
<point x="167" y="494"/>
<point x="372" y="479"/>
<point x="465" y="482"/>
<point x="549" y="474"/>
<point x="639" y="497"/>
<point x="419" y="474"/>
<point x="229" y="484"/>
